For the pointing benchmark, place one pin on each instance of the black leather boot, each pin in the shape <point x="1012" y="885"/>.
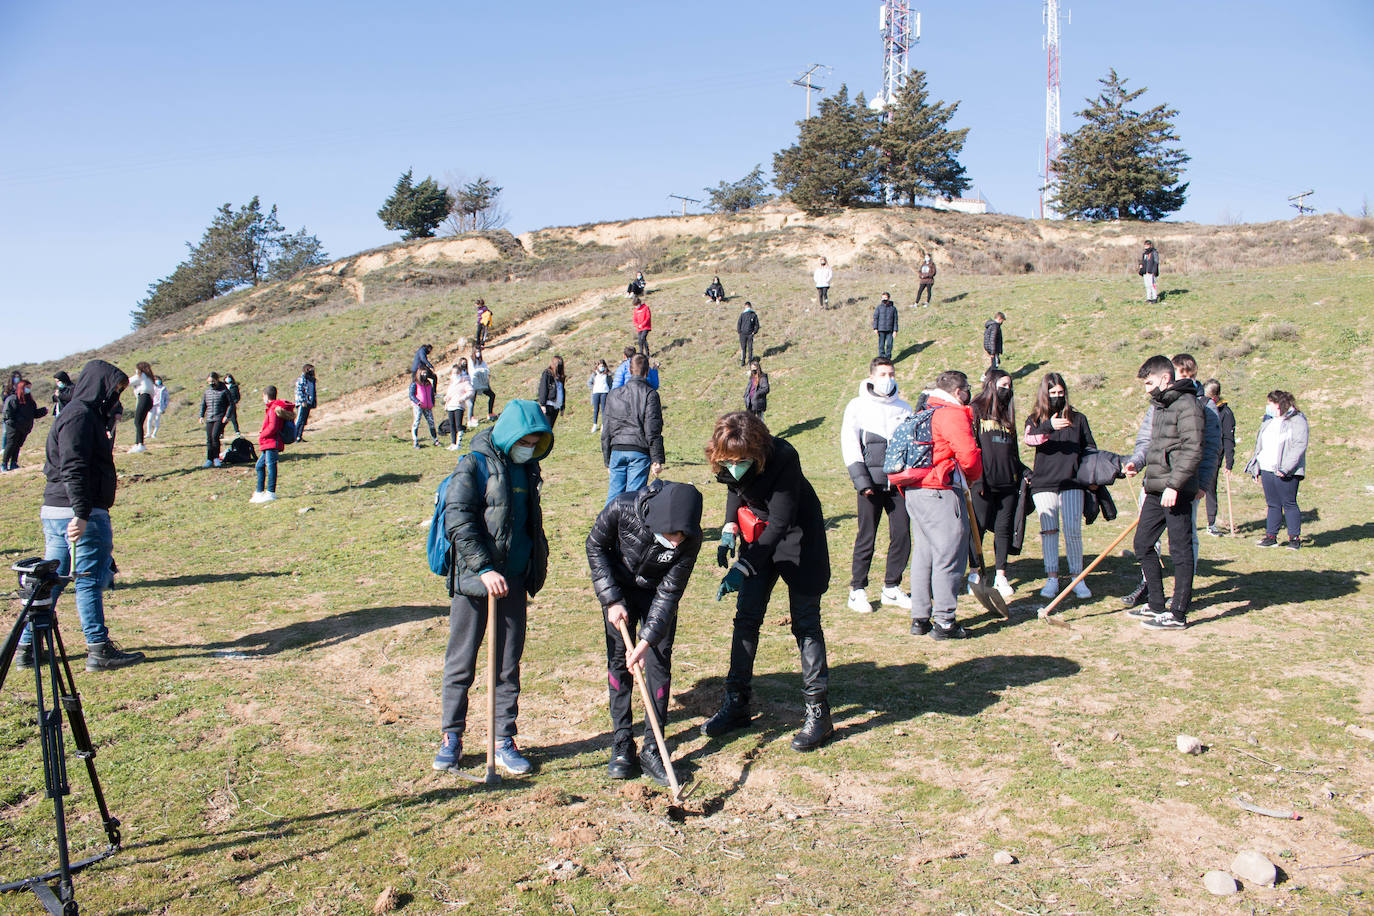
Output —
<point x="733" y="713"/>
<point x="623" y="764"/>
<point x="817" y="728"/>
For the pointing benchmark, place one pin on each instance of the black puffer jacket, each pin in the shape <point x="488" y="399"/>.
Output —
<point x="794" y="539"/>
<point x="759" y="402"/>
<point x="632" y="421"/>
<point x="992" y="337"/>
<point x="215" y="402"/>
<point x="623" y="555"/>
<point x="885" y="317"/>
<point x="1177" y="438"/>
<point x="478" y="524"/>
<point x="79" y="464"/>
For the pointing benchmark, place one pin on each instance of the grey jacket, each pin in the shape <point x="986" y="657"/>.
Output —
<point x="1293" y="454"/>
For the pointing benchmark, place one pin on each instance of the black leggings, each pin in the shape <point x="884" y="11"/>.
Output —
<point x="145" y="407"/>
<point x="995" y="511"/>
<point x="491" y="401"/>
<point x="455" y="424"/>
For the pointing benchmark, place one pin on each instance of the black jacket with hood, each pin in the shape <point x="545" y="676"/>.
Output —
<point x="748" y="323"/>
<point x="624" y="556"/>
<point x="992" y="337"/>
<point x="1177" y="441"/>
<point x="19" y="414"/>
<point x="79" y="465"/>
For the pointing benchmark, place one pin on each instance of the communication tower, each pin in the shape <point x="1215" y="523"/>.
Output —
<point x="1052" y="142"/>
<point x="901" y="30"/>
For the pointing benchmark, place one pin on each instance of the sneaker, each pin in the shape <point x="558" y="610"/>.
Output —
<point x="858" y="601"/>
<point x="733" y="713"/>
<point x="259" y="496"/>
<point x="414" y="445"/>
<point x="652" y="764"/>
<point x="1003" y="586"/>
<point x="1135" y="597"/>
<point x="437" y="443"/>
<point x="973" y="579"/>
<point x="624" y="761"/>
<point x="218" y="463"/>
<point x="920" y="626"/>
<point x="1142" y="612"/>
<point x="1165" y="621"/>
<point x="1267" y="541"/>
<point x="208" y="463"/>
<point x="1081" y="590"/>
<point x="269" y="496"/>
<point x="1215" y="532"/>
<point x="893" y="596"/>
<point x="1294" y="543"/>
<point x="593" y="427"/>
<point x="953" y="631"/>
<point x="450" y="750"/>
<point x="24" y="657"/>
<point x="138" y="448"/>
<point x="105" y="656"/>
<point x="454" y="447"/>
<point x="509" y="758"/>
<point x="1051" y="588"/>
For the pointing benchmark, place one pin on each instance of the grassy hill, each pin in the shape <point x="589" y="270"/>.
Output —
<point x="274" y="751"/>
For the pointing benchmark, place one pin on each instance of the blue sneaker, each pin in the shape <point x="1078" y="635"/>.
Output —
<point x="450" y="749"/>
<point x="509" y="758"/>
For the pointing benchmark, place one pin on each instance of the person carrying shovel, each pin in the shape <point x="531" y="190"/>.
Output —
<point x="494" y="522"/>
<point x="641" y="552"/>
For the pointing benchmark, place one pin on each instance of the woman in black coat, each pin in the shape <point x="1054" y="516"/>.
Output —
<point x="553" y="391"/>
<point x="771" y="507"/>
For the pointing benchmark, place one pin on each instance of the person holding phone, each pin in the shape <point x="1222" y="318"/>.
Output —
<point x="1060" y="435"/>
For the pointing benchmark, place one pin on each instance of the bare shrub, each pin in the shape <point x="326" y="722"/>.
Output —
<point x="1229" y="332"/>
<point x="1284" y="330"/>
<point x="1237" y="350"/>
<point x="1120" y="345"/>
<point x="1196" y="342"/>
<point x="1148" y="334"/>
<point x="1091" y="382"/>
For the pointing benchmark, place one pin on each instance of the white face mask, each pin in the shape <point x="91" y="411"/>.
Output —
<point x="1270" y="410"/>
<point x="663" y="541"/>
<point x="884" y="385"/>
<point x="521" y="453"/>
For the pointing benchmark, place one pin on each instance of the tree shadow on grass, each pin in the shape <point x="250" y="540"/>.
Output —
<point x="911" y="350"/>
<point x="1361" y="532"/>
<point x="776" y="350"/>
<point x="1027" y="369"/>
<point x="800" y="427"/>
<point x="200" y="579"/>
<point x="1256" y="591"/>
<point x="309" y="635"/>
<point x="956" y="298"/>
<point x="381" y="480"/>
<point x="673" y="345"/>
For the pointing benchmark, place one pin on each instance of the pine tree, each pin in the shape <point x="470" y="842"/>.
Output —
<point x="834" y="162"/>
<point x="734" y="196"/>
<point x="1119" y="163"/>
<point x="415" y="209"/>
<point x="476" y="206"/>
<point x="918" y="152"/>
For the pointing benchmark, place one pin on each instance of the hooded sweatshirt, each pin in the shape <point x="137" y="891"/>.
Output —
<point x="869" y="421"/>
<point x="643" y="320"/>
<point x="79" y="461"/>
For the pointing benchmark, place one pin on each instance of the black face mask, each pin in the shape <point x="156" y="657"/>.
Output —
<point x="1003" y="395"/>
<point x="1059" y="403"/>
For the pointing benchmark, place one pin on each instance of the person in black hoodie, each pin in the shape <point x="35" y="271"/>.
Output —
<point x="61" y="392"/>
<point x="641" y="552"/>
<point x="992" y="339"/>
<point x="747" y="326"/>
<point x="995" y="493"/>
<point x="885" y="323"/>
<point x="20" y="411"/>
<point x="772" y="508"/>
<point x="80" y="489"/>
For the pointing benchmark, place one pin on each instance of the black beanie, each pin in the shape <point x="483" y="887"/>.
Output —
<point x="674" y="507"/>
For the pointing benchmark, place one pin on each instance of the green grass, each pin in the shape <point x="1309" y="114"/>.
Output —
<point x="273" y="754"/>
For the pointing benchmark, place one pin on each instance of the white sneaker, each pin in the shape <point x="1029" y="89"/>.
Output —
<point x="1051" y="588"/>
<point x="858" y="602"/>
<point x="1003" y="586"/>
<point x="258" y="496"/>
<point x="894" y="596"/>
<point x="593" y="427"/>
<point x="1081" y="591"/>
<point x="973" y="579"/>
<point x="269" y="496"/>
<point x="138" y="448"/>
<point x="454" y="447"/>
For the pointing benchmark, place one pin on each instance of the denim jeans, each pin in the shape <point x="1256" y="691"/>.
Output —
<point x="885" y="343"/>
<point x="629" y="472"/>
<point x="267" y="468"/>
<point x="598" y="405"/>
<point x="302" y="414"/>
<point x="92" y="571"/>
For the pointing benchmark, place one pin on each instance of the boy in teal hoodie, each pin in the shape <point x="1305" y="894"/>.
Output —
<point x="493" y="520"/>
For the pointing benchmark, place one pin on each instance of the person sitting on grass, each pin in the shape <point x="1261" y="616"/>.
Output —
<point x="276" y="415"/>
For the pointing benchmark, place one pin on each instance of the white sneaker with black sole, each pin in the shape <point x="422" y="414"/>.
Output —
<point x="1165" y="621"/>
<point x="858" y="601"/>
<point x="893" y="596"/>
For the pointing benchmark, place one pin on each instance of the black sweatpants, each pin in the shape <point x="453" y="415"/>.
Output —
<point x="213" y="430"/>
<point x="823" y="296"/>
<point x="925" y="289"/>
<point x="996" y="512"/>
<point x="1210" y="493"/>
<point x="750" y="607"/>
<point x="870" y="511"/>
<point x="14" y="441"/>
<point x="455" y="425"/>
<point x="145" y="407"/>
<point x="643" y="343"/>
<point x="467" y="626"/>
<point x="1178" y="520"/>
<point x="746" y="348"/>
<point x="658" y="668"/>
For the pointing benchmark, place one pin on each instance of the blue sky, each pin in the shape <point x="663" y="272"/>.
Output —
<point x="123" y="127"/>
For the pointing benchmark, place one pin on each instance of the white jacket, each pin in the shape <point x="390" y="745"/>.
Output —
<point x="142" y="384"/>
<point x="823" y="276"/>
<point x="161" y="398"/>
<point x="459" y="391"/>
<point x="869" y="421"/>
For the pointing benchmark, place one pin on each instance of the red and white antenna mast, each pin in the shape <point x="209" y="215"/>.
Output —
<point x="1052" y="142"/>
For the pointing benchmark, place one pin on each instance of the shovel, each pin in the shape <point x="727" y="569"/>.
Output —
<point x="1044" y="612"/>
<point x="489" y="777"/>
<point x="674" y="789"/>
<point x="989" y="598"/>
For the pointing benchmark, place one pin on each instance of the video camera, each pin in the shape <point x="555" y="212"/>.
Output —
<point x="38" y="581"/>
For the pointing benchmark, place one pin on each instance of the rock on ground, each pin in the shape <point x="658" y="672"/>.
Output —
<point x="1219" y="883"/>
<point x="1002" y="857"/>
<point x="1254" y="867"/>
<point x="1187" y="744"/>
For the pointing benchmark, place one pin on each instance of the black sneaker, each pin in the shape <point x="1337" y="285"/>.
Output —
<point x="1267" y="541"/>
<point x="1135" y="597"/>
<point x="1214" y="531"/>
<point x="1294" y="543"/>
<point x="1165" y="621"/>
<point x="623" y="764"/>
<point x="106" y="656"/>
<point x="920" y="627"/>
<point x="1141" y="612"/>
<point x="652" y="764"/>
<point x="953" y="631"/>
<point x="733" y="713"/>
<point x="817" y="728"/>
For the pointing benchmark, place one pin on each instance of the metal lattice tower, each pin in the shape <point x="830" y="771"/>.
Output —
<point x="900" y="31"/>
<point x="1052" y="139"/>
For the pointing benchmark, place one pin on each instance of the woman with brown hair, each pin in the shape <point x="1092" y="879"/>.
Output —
<point x="1060" y="435"/>
<point x="142" y="384"/>
<point x="772" y="509"/>
<point x="552" y="395"/>
<point x="1280" y="464"/>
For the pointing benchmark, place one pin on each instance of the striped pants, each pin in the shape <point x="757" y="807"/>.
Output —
<point x="1062" y="510"/>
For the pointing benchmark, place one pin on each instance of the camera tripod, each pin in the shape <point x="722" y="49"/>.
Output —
<point x="39" y="587"/>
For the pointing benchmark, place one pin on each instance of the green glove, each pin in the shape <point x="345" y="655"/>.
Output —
<point x="726" y="550"/>
<point x="731" y="583"/>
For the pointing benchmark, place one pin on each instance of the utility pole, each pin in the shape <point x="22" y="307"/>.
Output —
<point x="1301" y="203"/>
<point x="804" y="81"/>
<point x="685" y="201"/>
<point x="1053" y="146"/>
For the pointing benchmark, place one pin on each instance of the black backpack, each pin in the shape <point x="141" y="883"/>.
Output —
<point x="240" y="451"/>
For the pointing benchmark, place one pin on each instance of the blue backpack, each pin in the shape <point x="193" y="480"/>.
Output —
<point x="438" y="548"/>
<point x="287" y="434"/>
<point x="911" y="450"/>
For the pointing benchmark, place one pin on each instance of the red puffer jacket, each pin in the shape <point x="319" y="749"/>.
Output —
<point x="642" y="318"/>
<point x="270" y="434"/>
<point x="955" y="446"/>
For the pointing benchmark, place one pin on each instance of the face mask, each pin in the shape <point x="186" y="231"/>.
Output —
<point x="884" y="386"/>
<point x="600" y="370"/>
<point x="663" y="541"/>
<point x="738" y="469"/>
<point x="521" y="453"/>
<point x="1270" y="410"/>
<point x="1058" y="404"/>
<point x="1003" y="395"/>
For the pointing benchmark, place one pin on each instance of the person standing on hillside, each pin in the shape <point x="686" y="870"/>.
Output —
<point x="822" y="277"/>
<point x="641" y="552"/>
<point x="421" y="359"/>
<point x="421" y="395"/>
<point x="926" y="273"/>
<point x="20" y="411"/>
<point x="79" y="470"/>
<point x="276" y="415"/>
<point x="480" y="373"/>
<point x="885" y="323"/>
<point x="484" y="316"/>
<point x="1185" y="368"/>
<point x="456" y="402"/>
<point x="214" y="406"/>
<point x="756" y="390"/>
<point x="992" y="339"/>
<point x="1171" y="485"/>
<point x="162" y="398"/>
<point x="869" y="421"/>
<point x="1148" y="268"/>
<point x="61" y="392"/>
<point x="599" y="384"/>
<point x="553" y="390"/>
<point x="1280" y="464"/>
<point x="231" y="417"/>
<point x="622" y="371"/>
<point x="143" y="386"/>
<point x="1060" y="436"/>
<point x="747" y="325"/>
<point x="632" y="432"/>
<point x="644" y="323"/>
<point x="305" y="399"/>
<point x="995" y="494"/>
<point x="1227" y="421"/>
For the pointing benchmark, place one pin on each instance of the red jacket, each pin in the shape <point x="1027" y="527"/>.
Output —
<point x="643" y="320"/>
<point x="951" y="426"/>
<point x="270" y="434"/>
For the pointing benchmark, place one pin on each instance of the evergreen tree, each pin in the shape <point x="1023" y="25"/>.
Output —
<point x="834" y="162"/>
<point x="1119" y="163"/>
<point x="415" y="209"/>
<point x="476" y="206"/>
<point x="734" y="196"/>
<point x="918" y="152"/>
<point x="296" y="252"/>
